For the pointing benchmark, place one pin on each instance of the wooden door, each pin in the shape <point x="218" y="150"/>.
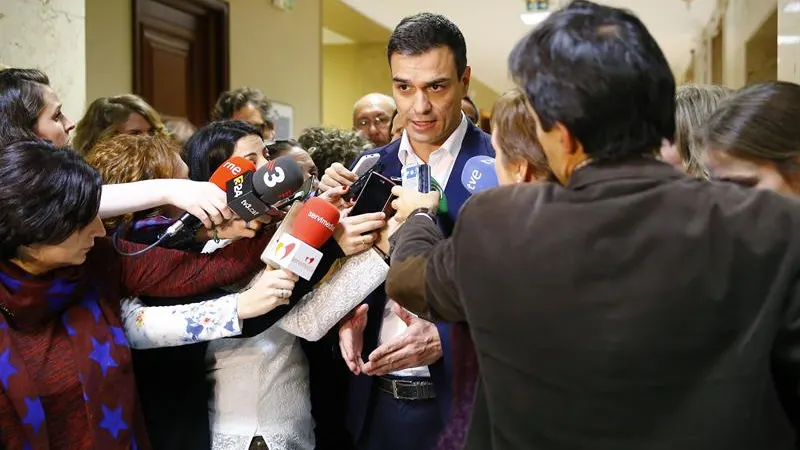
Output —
<point x="181" y="55"/>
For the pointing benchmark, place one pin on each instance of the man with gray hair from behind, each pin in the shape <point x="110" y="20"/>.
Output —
<point x="372" y="118"/>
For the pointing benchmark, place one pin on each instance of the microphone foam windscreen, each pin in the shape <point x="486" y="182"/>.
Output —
<point x="315" y="222"/>
<point x="278" y="179"/>
<point x="479" y="174"/>
<point x="230" y="169"/>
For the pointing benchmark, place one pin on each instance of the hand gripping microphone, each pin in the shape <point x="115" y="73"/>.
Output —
<point x="230" y="169"/>
<point x="478" y="174"/>
<point x="252" y="194"/>
<point x="296" y="250"/>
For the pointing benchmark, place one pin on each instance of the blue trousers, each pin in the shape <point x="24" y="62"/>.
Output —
<point x="401" y="424"/>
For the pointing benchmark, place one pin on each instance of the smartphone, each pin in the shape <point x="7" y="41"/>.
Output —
<point x="366" y="163"/>
<point x="375" y="196"/>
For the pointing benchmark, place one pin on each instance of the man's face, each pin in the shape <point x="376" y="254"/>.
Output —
<point x="373" y="121"/>
<point x="562" y="150"/>
<point x="428" y="94"/>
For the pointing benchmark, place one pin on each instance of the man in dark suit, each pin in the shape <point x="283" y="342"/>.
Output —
<point x="401" y="395"/>
<point x="633" y="307"/>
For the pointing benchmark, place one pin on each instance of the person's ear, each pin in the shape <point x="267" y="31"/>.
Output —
<point x="465" y="78"/>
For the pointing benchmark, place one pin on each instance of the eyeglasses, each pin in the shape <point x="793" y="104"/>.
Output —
<point x="379" y="122"/>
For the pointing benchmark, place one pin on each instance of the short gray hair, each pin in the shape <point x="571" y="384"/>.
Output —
<point x="694" y="104"/>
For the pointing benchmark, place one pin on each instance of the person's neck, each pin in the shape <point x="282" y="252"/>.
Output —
<point x="31" y="267"/>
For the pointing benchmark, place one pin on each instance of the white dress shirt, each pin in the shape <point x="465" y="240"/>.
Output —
<point x="441" y="162"/>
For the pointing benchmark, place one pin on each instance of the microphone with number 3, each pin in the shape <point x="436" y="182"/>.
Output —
<point x="296" y="250"/>
<point x="252" y="194"/>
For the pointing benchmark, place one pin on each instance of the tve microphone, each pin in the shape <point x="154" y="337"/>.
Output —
<point x="252" y="194"/>
<point x="478" y="174"/>
<point x="296" y="250"/>
<point x="229" y="170"/>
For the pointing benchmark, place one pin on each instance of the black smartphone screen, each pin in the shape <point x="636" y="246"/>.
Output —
<point x="375" y="196"/>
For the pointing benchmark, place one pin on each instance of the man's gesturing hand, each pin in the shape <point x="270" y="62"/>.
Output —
<point x="351" y="338"/>
<point x="418" y="346"/>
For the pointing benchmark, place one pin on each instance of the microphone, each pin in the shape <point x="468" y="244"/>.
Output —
<point x="417" y="178"/>
<point x="229" y="170"/>
<point x="296" y="250"/>
<point x="479" y="174"/>
<point x="252" y="194"/>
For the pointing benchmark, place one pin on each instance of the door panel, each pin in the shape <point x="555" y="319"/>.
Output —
<point x="180" y="51"/>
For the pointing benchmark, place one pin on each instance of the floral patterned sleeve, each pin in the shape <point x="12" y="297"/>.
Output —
<point x="172" y="326"/>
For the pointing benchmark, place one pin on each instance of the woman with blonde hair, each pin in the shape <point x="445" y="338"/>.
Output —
<point x="109" y="116"/>
<point x="694" y="104"/>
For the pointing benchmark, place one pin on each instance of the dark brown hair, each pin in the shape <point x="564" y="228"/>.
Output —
<point x="515" y="130"/>
<point x="758" y="123"/>
<point x="47" y="194"/>
<point x="231" y="101"/>
<point x="21" y="102"/>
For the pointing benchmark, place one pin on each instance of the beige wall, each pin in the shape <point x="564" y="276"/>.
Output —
<point x="353" y="70"/>
<point x="109" y="48"/>
<point x="277" y="52"/>
<point x="350" y="72"/>
<point x="740" y="20"/>
<point x="280" y="53"/>
<point x="789" y="52"/>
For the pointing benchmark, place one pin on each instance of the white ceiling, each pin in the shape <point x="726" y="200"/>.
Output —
<point x="491" y="28"/>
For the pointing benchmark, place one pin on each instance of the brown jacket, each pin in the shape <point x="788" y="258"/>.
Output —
<point x="635" y="308"/>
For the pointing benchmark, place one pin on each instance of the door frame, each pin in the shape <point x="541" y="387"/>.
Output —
<point x="219" y="16"/>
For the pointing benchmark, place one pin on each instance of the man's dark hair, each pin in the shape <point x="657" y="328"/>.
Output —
<point x="231" y="101"/>
<point x="21" y="102"/>
<point x="424" y="32"/>
<point x="47" y="194"/>
<point x="211" y="145"/>
<point x="599" y="72"/>
<point x="281" y="147"/>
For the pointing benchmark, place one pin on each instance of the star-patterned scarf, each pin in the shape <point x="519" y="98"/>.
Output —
<point x="99" y="348"/>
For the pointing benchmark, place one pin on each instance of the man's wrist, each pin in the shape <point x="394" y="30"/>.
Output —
<point x="424" y="212"/>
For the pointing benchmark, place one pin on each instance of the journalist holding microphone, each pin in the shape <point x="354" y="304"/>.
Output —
<point x="629" y="306"/>
<point x="30" y="109"/>
<point x="65" y="365"/>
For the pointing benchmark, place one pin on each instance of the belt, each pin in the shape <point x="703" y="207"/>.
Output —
<point x="406" y="389"/>
<point x="258" y="442"/>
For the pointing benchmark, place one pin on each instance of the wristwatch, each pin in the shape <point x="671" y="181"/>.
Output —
<point x="424" y="212"/>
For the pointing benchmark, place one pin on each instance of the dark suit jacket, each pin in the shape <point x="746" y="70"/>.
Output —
<point x="475" y="143"/>
<point x="635" y="308"/>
